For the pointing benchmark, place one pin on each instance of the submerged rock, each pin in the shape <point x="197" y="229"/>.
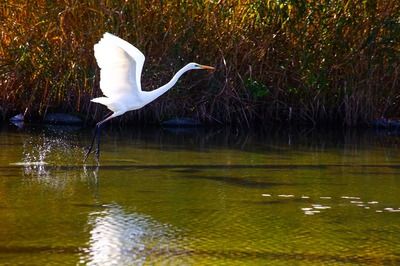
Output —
<point x="386" y="123"/>
<point x="17" y="118"/>
<point x="62" y="118"/>
<point x="181" y="122"/>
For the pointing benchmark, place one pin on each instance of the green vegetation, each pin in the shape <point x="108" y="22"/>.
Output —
<point x="305" y="61"/>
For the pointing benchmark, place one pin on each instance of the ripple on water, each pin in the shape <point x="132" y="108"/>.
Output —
<point x="350" y="197"/>
<point x="325" y="197"/>
<point x="286" y="196"/>
<point x="353" y="200"/>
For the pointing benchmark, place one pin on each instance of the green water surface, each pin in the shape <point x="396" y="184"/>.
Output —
<point x="199" y="197"/>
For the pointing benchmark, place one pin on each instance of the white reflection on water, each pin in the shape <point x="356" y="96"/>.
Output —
<point x="120" y="238"/>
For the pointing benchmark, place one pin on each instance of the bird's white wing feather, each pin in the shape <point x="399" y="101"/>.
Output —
<point x="121" y="66"/>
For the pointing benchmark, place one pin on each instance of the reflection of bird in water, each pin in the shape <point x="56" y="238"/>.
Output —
<point x="121" y="66"/>
<point x="120" y="238"/>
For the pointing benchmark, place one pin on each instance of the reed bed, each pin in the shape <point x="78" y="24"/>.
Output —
<point x="277" y="61"/>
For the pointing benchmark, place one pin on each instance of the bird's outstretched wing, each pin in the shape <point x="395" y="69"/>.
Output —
<point x="121" y="66"/>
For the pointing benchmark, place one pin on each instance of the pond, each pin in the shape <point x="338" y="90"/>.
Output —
<point x="199" y="197"/>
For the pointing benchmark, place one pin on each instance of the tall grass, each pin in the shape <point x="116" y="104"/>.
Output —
<point x="279" y="60"/>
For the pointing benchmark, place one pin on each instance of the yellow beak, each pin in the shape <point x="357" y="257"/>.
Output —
<point x="207" y="67"/>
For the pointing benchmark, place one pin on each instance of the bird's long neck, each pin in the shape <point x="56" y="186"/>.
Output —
<point x="154" y="94"/>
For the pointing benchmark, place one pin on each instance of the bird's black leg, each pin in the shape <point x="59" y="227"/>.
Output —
<point x="99" y="126"/>
<point x="91" y="144"/>
<point x="97" y="134"/>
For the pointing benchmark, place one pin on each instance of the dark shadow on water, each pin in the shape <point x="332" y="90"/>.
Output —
<point x="91" y="206"/>
<point x="196" y="168"/>
<point x="255" y="141"/>
<point x="268" y="201"/>
<point x="280" y="141"/>
<point x="39" y="249"/>
<point x="239" y="181"/>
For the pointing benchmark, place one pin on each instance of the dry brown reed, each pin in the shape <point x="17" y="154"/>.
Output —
<point x="277" y="60"/>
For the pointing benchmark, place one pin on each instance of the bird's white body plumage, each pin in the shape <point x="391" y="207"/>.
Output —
<point x="121" y="67"/>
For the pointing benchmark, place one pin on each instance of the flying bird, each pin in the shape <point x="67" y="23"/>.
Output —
<point x="121" y="66"/>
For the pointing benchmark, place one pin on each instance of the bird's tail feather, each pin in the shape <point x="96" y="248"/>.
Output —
<point x="102" y="100"/>
<point x="111" y="105"/>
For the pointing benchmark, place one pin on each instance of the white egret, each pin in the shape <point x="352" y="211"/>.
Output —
<point x="121" y="66"/>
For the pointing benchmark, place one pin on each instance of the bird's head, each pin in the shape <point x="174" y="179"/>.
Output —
<point x="199" y="66"/>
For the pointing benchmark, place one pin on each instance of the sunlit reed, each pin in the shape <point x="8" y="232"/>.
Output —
<point x="277" y="61"/>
